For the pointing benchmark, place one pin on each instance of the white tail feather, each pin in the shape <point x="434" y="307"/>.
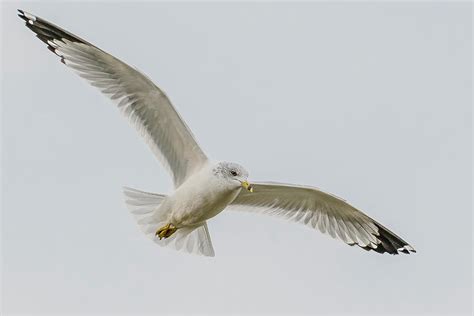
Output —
<point x="144" y="206"/>
<point x="195" y="240"/>
<point x="140" y="202"/>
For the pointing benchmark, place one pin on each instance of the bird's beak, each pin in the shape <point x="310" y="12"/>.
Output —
<point x="247" y="186"/>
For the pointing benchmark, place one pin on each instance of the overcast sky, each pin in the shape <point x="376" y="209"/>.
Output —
<point x="371" y="102"/>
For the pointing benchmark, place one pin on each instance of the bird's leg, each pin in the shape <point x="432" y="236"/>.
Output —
<point x="166" y="231"/>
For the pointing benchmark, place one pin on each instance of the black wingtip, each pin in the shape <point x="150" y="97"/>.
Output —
<point x="47" y="31"/>
<point x="389" y="243"/>
<point x="22" y="15"/>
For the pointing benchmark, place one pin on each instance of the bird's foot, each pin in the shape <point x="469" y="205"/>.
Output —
<point x="166" y="231"/>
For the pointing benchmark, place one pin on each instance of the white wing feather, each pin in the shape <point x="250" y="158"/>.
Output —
<point x="143" y="103"/>
<point x="322" y="211"/>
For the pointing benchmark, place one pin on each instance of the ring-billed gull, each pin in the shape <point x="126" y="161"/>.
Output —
<point x="203" y="188"/>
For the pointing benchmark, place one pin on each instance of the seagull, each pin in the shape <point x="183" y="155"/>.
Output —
<point x="202" y="188"/>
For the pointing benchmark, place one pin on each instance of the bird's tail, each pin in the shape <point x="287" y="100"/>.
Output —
<point x="144" y="207"/>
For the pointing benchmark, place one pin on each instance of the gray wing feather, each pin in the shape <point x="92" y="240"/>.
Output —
<point x="319" y="210"/>
<point x="143" y="103"/>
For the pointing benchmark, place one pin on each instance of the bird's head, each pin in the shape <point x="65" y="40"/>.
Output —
<point x="234" y="172"/>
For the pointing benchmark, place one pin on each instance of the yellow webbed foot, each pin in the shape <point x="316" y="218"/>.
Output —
<point x="166" y="231"/>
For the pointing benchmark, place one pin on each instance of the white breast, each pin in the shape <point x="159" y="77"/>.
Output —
<point x="202" y="196"/>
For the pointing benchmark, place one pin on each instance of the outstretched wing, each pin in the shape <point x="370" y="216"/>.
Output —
<point x="144" y="104"/>
<point x="323" y="211"/>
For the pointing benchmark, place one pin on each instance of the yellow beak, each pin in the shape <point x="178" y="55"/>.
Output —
<point x="247" y="186"/>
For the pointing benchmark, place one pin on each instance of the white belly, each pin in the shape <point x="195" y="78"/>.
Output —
<point x="202" y="197"/>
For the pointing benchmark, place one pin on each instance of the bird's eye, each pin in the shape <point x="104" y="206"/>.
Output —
<point x="233" y="173"/>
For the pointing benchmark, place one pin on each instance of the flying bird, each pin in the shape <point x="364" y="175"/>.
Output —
<point x="203" y="188"/>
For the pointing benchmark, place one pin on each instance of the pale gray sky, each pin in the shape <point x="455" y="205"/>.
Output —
<point x="371" y="102"/>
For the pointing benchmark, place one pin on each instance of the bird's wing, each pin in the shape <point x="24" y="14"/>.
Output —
<point x="323" y="211"/>
<point x="144" y="104"/>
